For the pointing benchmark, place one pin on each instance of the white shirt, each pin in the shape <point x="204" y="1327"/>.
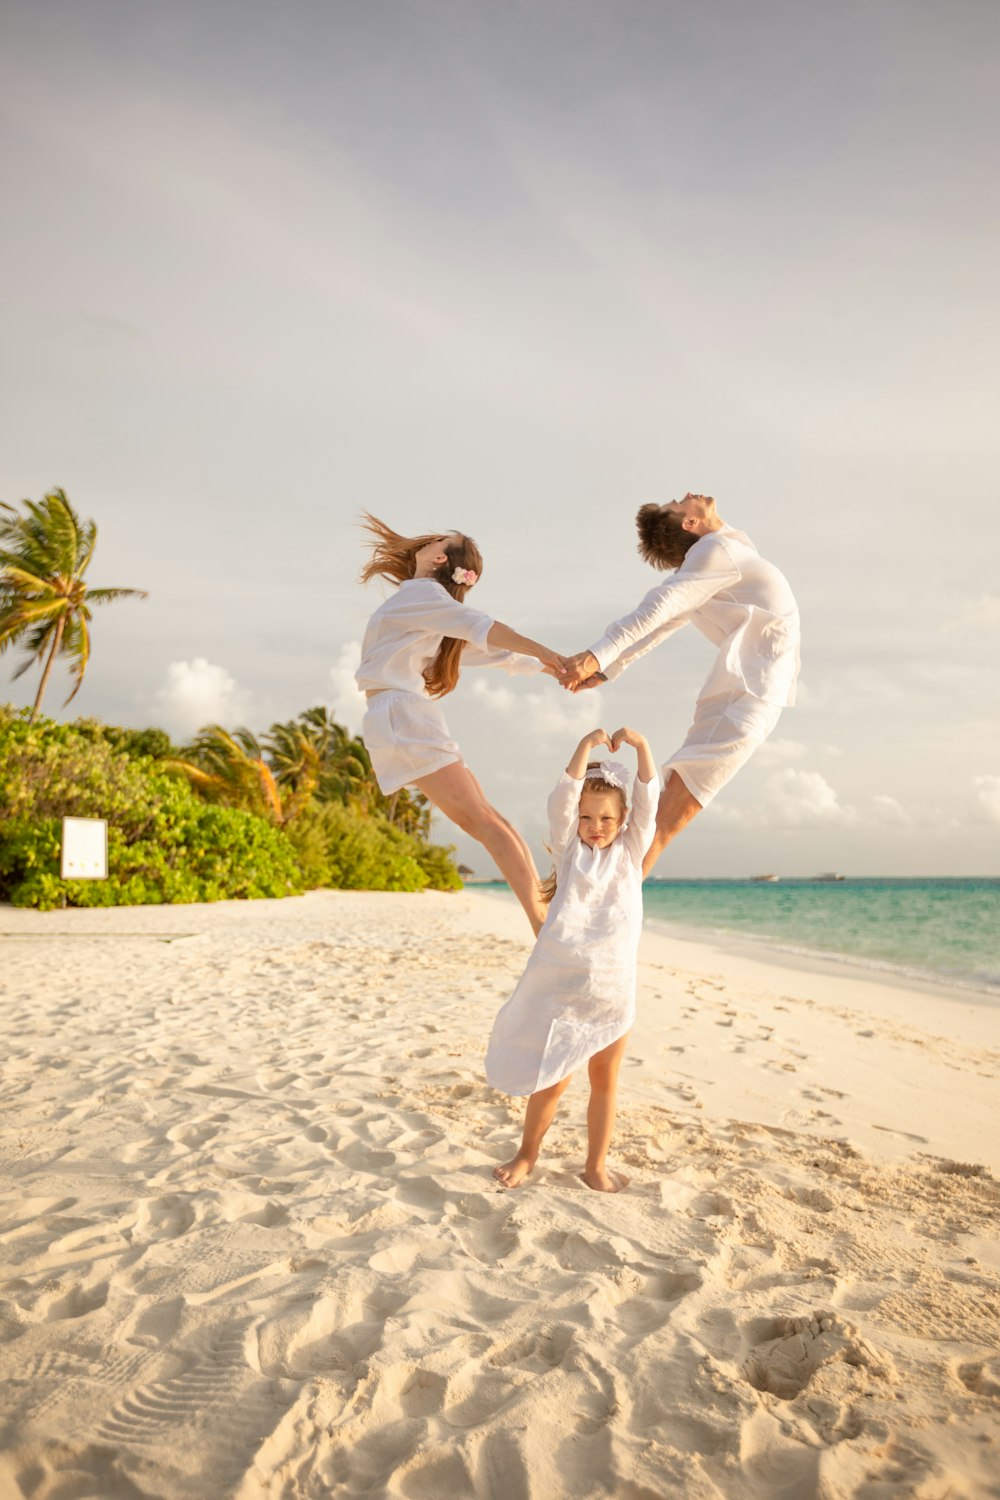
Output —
<point x="743" y="605"/>
<point x="403" y="636"/>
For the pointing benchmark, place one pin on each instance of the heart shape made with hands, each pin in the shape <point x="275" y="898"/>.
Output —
<point x="613" y="741"/>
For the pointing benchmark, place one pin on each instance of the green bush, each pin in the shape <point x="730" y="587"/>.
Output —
<point x="164" y="843"/>
<point x="438" y="863"/>
<point x="338" y="846"/>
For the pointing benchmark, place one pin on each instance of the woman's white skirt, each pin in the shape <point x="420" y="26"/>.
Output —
<point x="407" y="738"/>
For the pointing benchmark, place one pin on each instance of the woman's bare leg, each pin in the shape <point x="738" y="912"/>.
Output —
<point x="603" y="1069"/>
<point x="524" y="848"/>
<point x="538" y="1117"/>
<point x="456" y="792"/>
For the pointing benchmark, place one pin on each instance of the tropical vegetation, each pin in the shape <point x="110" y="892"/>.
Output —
<point x="45" y="603"/>
<point x="229" y="815"/>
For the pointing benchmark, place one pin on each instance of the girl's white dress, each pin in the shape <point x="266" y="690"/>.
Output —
<point x="577" y="994"/>
<point x="404" y="729"/>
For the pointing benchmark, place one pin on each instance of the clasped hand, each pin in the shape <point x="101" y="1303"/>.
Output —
<point x="575" y="673"/>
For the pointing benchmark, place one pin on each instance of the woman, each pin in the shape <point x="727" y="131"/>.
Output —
<point x="413" y="647"/>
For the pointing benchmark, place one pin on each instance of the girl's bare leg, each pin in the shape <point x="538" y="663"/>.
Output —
<point x="456" y="792"/>
<point x="537" y="1118"/>
<point x="603" y="1069"/>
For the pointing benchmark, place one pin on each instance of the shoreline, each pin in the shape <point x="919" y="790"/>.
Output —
<point x="787" y="955"/>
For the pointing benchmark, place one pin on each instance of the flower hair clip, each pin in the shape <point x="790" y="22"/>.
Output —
<point x="465" y="576"/>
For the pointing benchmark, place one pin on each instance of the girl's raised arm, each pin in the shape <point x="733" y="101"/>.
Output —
<point x="564" y="800"/>
<point x="640" y="744"/>
<point x="581" y="755"/>
<point x="642" y="815"/>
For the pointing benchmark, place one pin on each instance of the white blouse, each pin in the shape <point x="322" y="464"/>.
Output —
<point x="403" y="636"/>
<point x="743" y="605"/>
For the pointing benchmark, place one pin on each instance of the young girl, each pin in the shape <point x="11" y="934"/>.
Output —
<point x="575" y="1001"/>
<point x="410" y="655"/>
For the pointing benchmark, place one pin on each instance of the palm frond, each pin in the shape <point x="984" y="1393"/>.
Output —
<point x="17" y="621"/>
<point x="76" y="645"/>
<point x="16" y="579"/>
<point x="105" y="596"/>
<point x="204" y="780"/>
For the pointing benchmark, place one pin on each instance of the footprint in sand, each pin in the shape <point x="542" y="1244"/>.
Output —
<point x="436" y="1472"/>
<point x="788" y="1352"/>
<point x="163" y="1218"/>
<point x="981" y="1377"/>
<point x="75" y="1301"/>
<point x="538" y="1351"/>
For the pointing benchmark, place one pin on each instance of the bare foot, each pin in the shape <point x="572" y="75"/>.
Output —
<point x="603" y="1181"/>
<point x="513" y="1173"/>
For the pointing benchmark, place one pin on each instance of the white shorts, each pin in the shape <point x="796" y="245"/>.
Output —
<point x="407" y="738"/>
<point x="725" y="733"/>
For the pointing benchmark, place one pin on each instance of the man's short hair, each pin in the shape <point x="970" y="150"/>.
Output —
<point x="663" y="542"/>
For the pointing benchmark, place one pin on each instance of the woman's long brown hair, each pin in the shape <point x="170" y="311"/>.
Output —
<point x="393" y="558"/>
<point x="593" y="781"/>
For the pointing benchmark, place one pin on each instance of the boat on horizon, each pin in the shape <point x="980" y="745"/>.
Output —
<point x="829" y="875"/>
<point x="765" y="879"/>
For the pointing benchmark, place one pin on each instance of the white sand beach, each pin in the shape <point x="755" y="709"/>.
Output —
<point x="250" y="1245"/>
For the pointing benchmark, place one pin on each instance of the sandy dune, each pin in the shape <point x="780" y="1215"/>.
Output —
<point x="250" y="1245"/>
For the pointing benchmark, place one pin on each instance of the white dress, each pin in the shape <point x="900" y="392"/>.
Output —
<point x="404" y="729"/>
<point x="577" y="993"/>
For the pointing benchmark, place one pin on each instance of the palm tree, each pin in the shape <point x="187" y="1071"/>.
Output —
<point x="345" y="768"/>
<point x="44" y="602"/>
<point x="230" y="769"/>
<point x="346" y="774"/>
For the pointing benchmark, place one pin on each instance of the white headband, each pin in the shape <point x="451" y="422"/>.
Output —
<point x="611" y="771"/>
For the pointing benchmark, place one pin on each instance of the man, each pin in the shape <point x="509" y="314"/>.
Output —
<point x="746" y="609"/>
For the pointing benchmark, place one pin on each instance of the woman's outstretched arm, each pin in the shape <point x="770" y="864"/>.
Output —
<point x="506" y="639"/>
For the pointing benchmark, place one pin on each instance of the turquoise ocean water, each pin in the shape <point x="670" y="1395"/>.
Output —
<point x="944" y="931"/>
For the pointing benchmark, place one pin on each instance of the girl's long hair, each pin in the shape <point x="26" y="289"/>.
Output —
<point x="593" y="781"/>
<point x="393" y="558"/>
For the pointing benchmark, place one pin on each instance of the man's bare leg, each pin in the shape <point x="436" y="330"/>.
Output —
<point x="675" y="810"/>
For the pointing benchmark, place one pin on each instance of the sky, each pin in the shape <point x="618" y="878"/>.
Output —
<point x="516" y="269"/>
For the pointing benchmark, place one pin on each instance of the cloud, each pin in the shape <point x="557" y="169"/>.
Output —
<point x="886" y="810"/>
<point x="792" y="799"/>
<point x="199" y="692"/>
<point x="988" y="792"/>
<point x="985" y="612"/>
<point x="347" y="700"/>
<point x="778" y="752"/>
<point x="543" y="715"/>
<point x="805" y="799"/>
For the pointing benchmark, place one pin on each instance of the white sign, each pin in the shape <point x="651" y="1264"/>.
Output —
<point x="84" y="849"/>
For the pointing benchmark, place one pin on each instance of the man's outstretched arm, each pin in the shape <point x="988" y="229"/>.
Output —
<point x="703" y="574"/>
